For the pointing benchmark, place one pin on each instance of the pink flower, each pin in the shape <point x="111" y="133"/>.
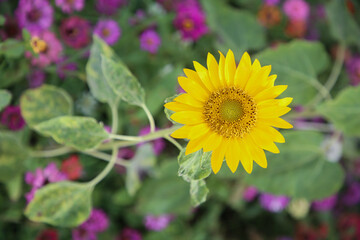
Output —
<point x="108" y="30"/>
<point x="68" y="6"/>
<point x="157" y="223"/>
<point x="75" y="32"/>
<point x="297" y="10"/>
<point x="150" y="41"/>
<point x="158" y="144"/>
<point x="12" y="118"/>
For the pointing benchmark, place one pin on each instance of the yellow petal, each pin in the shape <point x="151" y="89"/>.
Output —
<point x="213" y="69"/>
<point x="217" y="157"/>
<point x="271" y="81"/>
<point x="195" y="145"/>
<point x="270" y="93"/>
<point x="232" y="156"/>
<point x="204" y="76"/>
<point x="245" y="60"/>
<point x="191" y="74"/>
<point x="212" y="142"/>
<point x="276" y="136"/>
<point x="194" y="89"/>
<point x="272" y="112"/>
<point x="256" y="65"/>
<point x="258" y="81"/>
<point x="182" y="132"/>
<point x="246" y="158"/>
<point x="277" y="122"/>
<point x="198" y="130"/>
<point x="276" y="102"/>
<point x="222" y="70"/>
<point x="177" y="107"/>
<point x="256" y="152"/>
<point x="263" y="141"/>
<point x="230" y="67"/>
<point x="189" y="100"/>
<point x="188" y="117"/>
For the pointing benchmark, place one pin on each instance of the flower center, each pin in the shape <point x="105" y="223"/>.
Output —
<point x="38" y="45"/>
<point x="34" y="15"/>
<point x="106" y="32"/>
<point x="70" y="2"/>
<point x="230" y="112"/>
<point x="188" y="24"/>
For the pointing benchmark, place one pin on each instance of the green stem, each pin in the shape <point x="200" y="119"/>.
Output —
<point x="173" y="141"/>
<point x="115" y="115"/>
<point x="51" y="153"/>
<point x="124" y="137"/>
<point x="106" y="157"/>
<point x="150" y="117"/>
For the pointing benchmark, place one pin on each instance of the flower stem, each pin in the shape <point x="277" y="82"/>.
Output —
<point x="124" y="137"/>
<point x="150" y="117"/>
<point x="173" y="141"/>
<point x="106" y="157"/>
<point x="52" y="153"/>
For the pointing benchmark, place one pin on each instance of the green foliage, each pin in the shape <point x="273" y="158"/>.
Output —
<point x="342" y="25"/>
<point x="300" y="170"/>
<point x="122" y="81"/>
<point x="2" y="20"/>
<point x="198" y="192"/>
<point x="12" y="71"/>
<point x="14" y="187"/>
<point x="194" y="166"/>
<point x="12" y="48"/>
<point x="63" y="204"/>
<point x="79" y="132"/>
<point x="44" y="103"/>
<point x="5" y="98"/>
<point x="297" y="65"/>
<point x="344" y="111"/>
<point x="99" y="87"/>
<point x="12" y="157"/>
<point x="237" y="30"/>
<point x="168" y="112"/>
<point x="143" y="160"/>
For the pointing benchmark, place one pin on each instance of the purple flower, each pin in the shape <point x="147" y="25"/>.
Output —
<point x="36" y="179"/>
<point x="273" y="203"/>
<point x="83" y="234"/>
<point x="64" y="67"/>
<point x="325" y="204"/>
<point x="352" y="194"/>
<point x="271" y="2"/>
<point x="297" y="10"/>
<point x="52" y="173"/>
<point x="137" y="18"/>
<point x="157" y="223"/>
<point x="12" y="118"/>
<point x="125" y="154"/>
<point x="36" y="78"/>
<point x="108" y="30"/>
<point x="129" y="234"/>
<point x="190" y="21"/>
<point x="75" y="32"/>
<point x="150" y="41"/>
<point x="68" y="6"/>
<point x="158" y="144"/>
<point x="51" y="49"/>
<point x="109" y="7"/>
<point x="34" y="14"/>
<point x="250" y="194"/>
<point x="353" y="70"/>
<point x="97" y="222"/>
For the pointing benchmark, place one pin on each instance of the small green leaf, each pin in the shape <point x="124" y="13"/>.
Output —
<point x="198" y="192"/>
<point x="12" y="157"/>
<point x="2" y="20"/>
<point x="168" y="112"/>
<point x="79" y="132"/>
<point x="5" y="98"/>
<point x="344" y="111"/>
<point x="13" y="71"/>
<point x="237" y="30"/>
<point x="14" y="187"/>
<point x="99" y="87"/>
<point x="297" y="65"/>
<point x="62" y="204"/>
<point x="44" y="103"/>
<point x="122" y="81"/>
<point x="300" y="170"/>
<point x="12" y="48"/>
<point x="144" y="159"/>
<point x="343" y="26"/>
<point x="194" y="166"/>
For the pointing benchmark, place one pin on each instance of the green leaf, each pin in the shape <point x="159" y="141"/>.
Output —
<point x="79" y="132"/>
<point x="198" y="192"/>
<point x="342" y="25"/>
<point x="237" y="30"/>
<point x="300" y="170"/>
<point x="62" y="204"/>
<point x="14" y="187"/>
<point x="12" y="157"/>
<point x="194" y="166"/>
<point x="44" y="103"/>
<point x="122" y="81"/>
<point x="168" y="112"/>
<point x="165" y="194"/>
<point x="5" y="98"/>
<point x="13" y="71"/>
<point x="99" y="87"/>
<point x="12" y="48"/>
<point x="297" y="65"/>
<point x="2" y="20"/>
<point x="344" y="111"/>
<point x="144" y="159"/>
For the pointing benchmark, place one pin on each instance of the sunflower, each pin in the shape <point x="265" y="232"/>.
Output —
<point x="230" y="110"/>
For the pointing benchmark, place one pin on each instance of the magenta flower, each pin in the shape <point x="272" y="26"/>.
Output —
<point x="51" y="53"/>
<point x="48" y="234"/>
<point x="97" y="222"/>
<point x="353" y="70"/>
<point x="75" y="32"/>
<point x="158" y="144"/>
<point x="271" y="2"/>
<point x="64" y="67"/>
<point x="83" y="234"/>
<point x="137" y="18"/>
<point x="12" y="118"/>
<point x="297" y="10"/>
<point x="150" y="41"/>
<point x="34" y="14"/>
<point x="325" y="204"/>
<point x="352" y="194"/>
<point x="36" y="78"/>
<point x="273" y="203"/>
<point x="190" y="21"/>
<point x="157" y="223"/>
<point x="250" y="193"/>
<point x="125" y="154"/>
<point x="129" y="234"/>
<point x="68" y="6"/>
<point x="108" y="30"/>
<point x="109" y="7"/>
